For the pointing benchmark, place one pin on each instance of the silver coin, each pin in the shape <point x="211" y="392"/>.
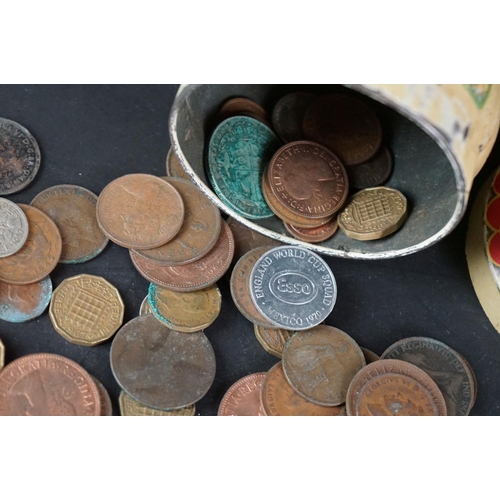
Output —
<point x="13" y="228"/>
<point x="293" y="288"/>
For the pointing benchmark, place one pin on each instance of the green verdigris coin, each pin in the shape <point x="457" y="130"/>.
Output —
<point x="239" y="152"/>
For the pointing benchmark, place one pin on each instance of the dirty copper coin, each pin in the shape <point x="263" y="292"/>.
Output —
<point x="243" y="398"/>
<point x="159" y="367"/>
<point x="19" y="157"/>
<point x="241" y="106"/>
<point x="140" y="211"/>
<point x="106" y="404"/>
<point x="293" y="288"/>
<point x="273" y="340"/>
<point x="370" y="356"/>
<point x="174" y="166"/>
<point x="73" y="209"/>
<point x="319" y="364"/>
<point x="444" y="365"/>
<point x="373" y="173"/>
<point x="39" y="255"/>
<point x="346" y="126"/>
<point x="288" y="115"/>
<point x="47" y="385"/>
<point x="129" y="407"/>
<point x="21" y="303"/>
<point x="13" y="228"/>
<point x="313" y="234"/>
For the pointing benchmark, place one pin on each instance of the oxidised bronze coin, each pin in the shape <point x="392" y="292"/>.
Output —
<point x="313" y="234"/>
<point x="73" y="209"/>
<point x="129" y="407"/>
<point x="370" y="356"/>
<point x="280" y="400"/>
<point x="13" y="228"/>
<point x="140" y="211"/>
<point x="174" y="166"/>
<point x="106" y="404"/>
<point x="159" y="367"/>
<point x="346" y="126"/>
<point x="288" y="115"/>
<point x="320" y="363"/>
<point x="373" y="173"/>
<point x="243" y="398"/>
<point x="39" y="255"/>
<point x="444" y="365"/>
<point x="272" y="339"/>
<point x="47" y="385"/>
<point x="19" y="157"/>
<point x="241" y="106"/>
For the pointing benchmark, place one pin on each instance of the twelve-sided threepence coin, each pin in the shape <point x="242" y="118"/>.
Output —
<point x="293" y="288"/>
<point x="13" y="228"/>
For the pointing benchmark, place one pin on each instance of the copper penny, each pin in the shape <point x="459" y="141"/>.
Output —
<point x="73" y="209"/>
<point x="129" y="407"/>
<point x="392" y="387"/>
<point x="373" y="173"/>
<point x="320" y="363"/>
<point x="345" y="125"/>
<point x="272" y="339"/>
<point x="159" y="367"/>
<point x="106" y="404"/>
<point x="314" y="234"/>
<point x="240" y="287"/>
<point x="243" y="398"/>
<point x="308" y="180"/>
<point x="195" y="276"/>
<point x="39" y="255"/>
<point x="140" y="211"/>
<point x="280" y="400"/>
<point x="174" y="166"/>
<point x="199" y="232"/>
<point x="47" y="385"/>
<point x="370" y="356"/>
<point x="288" y="115"/>
<point x="241" y="106"/>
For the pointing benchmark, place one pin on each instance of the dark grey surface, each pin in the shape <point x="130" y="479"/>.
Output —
<point x="89" y="135"/>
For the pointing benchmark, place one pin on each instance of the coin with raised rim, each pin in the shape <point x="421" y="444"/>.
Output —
<point x="13" y="228"/>
<point x="242" y="106"/>
<point x="2" y="355"/>
<point x="242" y="399"/>
<point x="373" y="173"/>
<point x="174" y="166"/>
<point x="288" y="115"/>
<point x="370" y="356"/>
<point x="313" y="234"/>
<point x="129" y="407"/>
<point x="106" y="404"/>
<point x="273" y="340"/>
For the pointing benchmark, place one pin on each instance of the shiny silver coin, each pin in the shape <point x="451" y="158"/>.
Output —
<point x="13" y="228"/>
<point x="293" y="288"/>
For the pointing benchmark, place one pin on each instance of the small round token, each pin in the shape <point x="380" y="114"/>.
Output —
<point x="174" y="166"/>
<point x="240" y="149"/>
<point x="13" y="228"/>
<point x="159" y="367"/>
<point x="73" y="209"/>
<point x="492" y="216"/>
<point x="313" y="234"/>
<point x="293" y="288"/>
<point x="273" y="340"/>
<point x="86" y="310"/>
<point x="288" y="115"/>
<point x="19" y="157"/>
<point x="494" y="248"/>
<point x="140" y="211"/>
<point x="373" y="173"/>
<point x="39" y="255"/>
<point x="185" y="312"/>
<point x="373" y="214"/>
<point x="241" y="106"/>
<point x="106" y="404"/>
<point x="21" y="303"/>
<point x="2" y="355"/>
<point x="243" y="398"/>
<point x="129" y="407"/>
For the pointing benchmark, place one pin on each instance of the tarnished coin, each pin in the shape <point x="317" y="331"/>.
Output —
<point x="293" y="288"/>
<point x="140" y="211"/>
<point x="174" y="166"/>
<point x="394" y="388"/>
<point x="2" y="355"/>
<point x="370" y="356"/>
<point x="159" y="367"/>
<point x="280" y="400"/>
<point x="196" y="275"/>
<point x="20" y="303"/>
<point x="129" y="407"/>
<point x="145" y="307"/>
<point x="185" y="312"/>
<point x="106" y="404"/>
<point x="373" y="173"/>
<point x="240" y="287"/>
<point x="313" y="234"/>
<point x="245" y="239"/>
<point x="39" y="255"/>
<point x="273" y="340"/>
<point x="444" y="365"/>
<point x="241" y="106"/>
<point x="73" y="209"/>
<point x="47" y="385"/>
<point x="13" y="228"/>
<point x="288" y="115"/>
<point x="86" y="310"/>
<point x="240" y="149"/>
<point x="19" y="157"/>
<point x="320" y="364"/>
<point x="373" y="213"/>
<point x="243" y="398"/>
<point x="344" y="125"/>
<point x="198" y="234"/>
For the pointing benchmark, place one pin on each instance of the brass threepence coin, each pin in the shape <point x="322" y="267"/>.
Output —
<point x="373" y="214"/>
<point x="240" y="287"/>
<point x="319" y="364"/>
<point x="370" y="356"/>
<point x="444" y="365"/>
<point x="19" y="157"/>
<point x="47" y="385"/>
<point x="13" y="228"/>
<point x="273" y="340"/>
<point x="2" y="355"/>
<point x="39" y="255"/>
<point x="391" y="387"/>
<point x="129" y="407"/>
<point x="145" y="307"/>
<point x="346" y="126"/>
<point x="314" y="234"/>
<point x="21" y="303"/>
<point x="106" y="404"/>
<point x="373" y="173"/>
<point x="73" y="209"/>
<point x="86" y="310"/>
<point x="243" y="398"/>
<point x="159" y="367"/>
<point x="241" y="106"/>
<point x="288" y="115"/>
<point x="140" y="211"/>
<point x="280" y="400"/>
<point x="185" y="312"/>
<point x="174" y="166"/>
